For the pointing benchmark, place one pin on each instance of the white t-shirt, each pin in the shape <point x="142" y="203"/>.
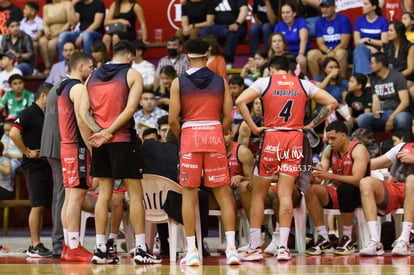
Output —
<point x="4" y="79"/>
<point x="147" y="71"/>
<point x="261" y="85"/>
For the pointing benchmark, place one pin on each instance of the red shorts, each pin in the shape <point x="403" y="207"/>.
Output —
<point x="333" y="195"/>
<point x="203" y="138"/>
<point x="216" y="172"/>
<point x="280" y="152"/>
<point x="395" y="195"/>
<point x="75" y="167"/>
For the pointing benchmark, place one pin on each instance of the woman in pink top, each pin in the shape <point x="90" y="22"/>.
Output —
<point x="215" y="61"/>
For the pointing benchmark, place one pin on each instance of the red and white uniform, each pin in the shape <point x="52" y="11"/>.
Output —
<point x="284" y="98"/>
<point x="235" y="166"/>
<point x="393" y="10"/>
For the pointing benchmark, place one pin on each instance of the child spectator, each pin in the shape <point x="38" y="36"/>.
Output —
<point x="162" y="93"/>
<point x="254" y="68"/>
<point x="408" y="21"/>
<point x="10" y="150"/>
<point x="6" y="182"/>
<point x="32" y="24"/>
<point x="18" y="98"/>
<point x="331" y="80"/>
<point x="7" y="63"/>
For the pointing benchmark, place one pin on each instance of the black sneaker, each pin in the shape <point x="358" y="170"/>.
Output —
<point x="111" y="246"/>
<point x="100" y="257"/>
<point x="39" y="251"/>
<point x="322" y="246"/>
<point x="29" y="251"/>
<point x="334" y="240"/>
<point x="145" y="257"/>
<point x="345" y="246"/>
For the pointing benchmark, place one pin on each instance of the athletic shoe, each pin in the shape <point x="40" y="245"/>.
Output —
<point x="322" y="246"/>
<point x="156" y="249"/>
<point x="252" y="255"/>
<point x="64" y="251"/>
<point x="145" y="257"/>
<point x="4" y="249"/>
<point x="271" y="249"/>
<point x="99" y="257"/>
<point x="231" y="256"/>
<point x="283" y="254"/>
<point x="191" y="259"/>
<point x="78" y="254"/>
<point x="345" y="247"/>
<point x="373" y="249"/>
<point x="400" y="248"/>
<point x="39" y="251"/>
<point x="222" y="248"/>
<point x="334" y="240"/>
<point x="111" y="246"/>
<point x="244" y="248"/>
<point x="29" y="251"/>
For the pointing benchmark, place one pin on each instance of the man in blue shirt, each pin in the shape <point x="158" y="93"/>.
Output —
<point x="60" y="69"/>
<point x="333" y="33"/>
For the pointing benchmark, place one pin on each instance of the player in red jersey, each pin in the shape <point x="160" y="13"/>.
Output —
<point x="74" y="155"/>
<point x="204" y="101"/>
<point x="349" y="161"/>
<point x="284" y="97"/>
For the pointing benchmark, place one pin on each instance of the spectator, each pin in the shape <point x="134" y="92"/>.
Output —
<point x="229" y="26"/>
<point x="393" y="10"/>
<point x="60" y="69"/>
<point x="149" y="114"/>
<point x="196" y="14"/>
<point x="333" y="34"/>
<point x="215" y="61"/>
<point x="296" y="33"/>
<point x="331" y="80"/>
<point x="99" y="53"/>
<point x="400" y="53"/>
<point x="246" y="137"/>
<point x="90" y="16"/>
<point x="7" y="10"/>
<point x="408" y="20"/>
<point x="125" y="12"/>
<point x="370" y="32"/>
<point x="162" y="93"/>
<point x="7" y="63"/>
<point x="278" y="45"/>
<point x="358" y="99"/>
<point x="163" y="128"/>
<point x="309" y="10"/>
<point x="175" y="58"/>
<point x="264" y="13"/>
<point x="18" y="98"/>
<point x="56" y="19"/>
<point x="236" y="87"/>
<point x="254" y="67"/>
<point x="20" y="44"/>
<point x="401" y="136"/>
<point x="10" y="150"/>
<point x="32" y="25"/>
<point x="6" y="180"/>
<point x="145" y="68"/>
<point x="390" y="98"/>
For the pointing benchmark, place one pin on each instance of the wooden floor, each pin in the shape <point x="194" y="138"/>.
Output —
<point x="19" y="264"/>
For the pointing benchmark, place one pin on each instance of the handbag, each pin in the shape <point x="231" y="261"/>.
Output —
<point x="116" y="27"/>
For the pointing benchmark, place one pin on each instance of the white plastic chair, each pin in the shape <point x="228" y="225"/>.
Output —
<point x="155" y="189"/>
<point x="84" y="218"/>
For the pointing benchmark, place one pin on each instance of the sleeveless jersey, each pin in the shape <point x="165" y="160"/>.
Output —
<point x="393" y="10"/>
<point x="68" y="126"/>
<point x="108" y="92"/>
<point x="284" y="103"/>
<point x="204" y="103"/>
<point x="235" y="166"/>
<point x="343" y="166"/>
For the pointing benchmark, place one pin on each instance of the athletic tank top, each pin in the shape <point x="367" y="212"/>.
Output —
<point x="393" y="10"/>
<point x="284" y="103"/>
<point x="108" y="92"/>
<point x="343" y="166"/>
<point x="235" y="166"/>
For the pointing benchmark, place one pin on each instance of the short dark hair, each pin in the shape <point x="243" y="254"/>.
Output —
<point x="361" y="79"/>
<point x="150" y="131"/>
<point x="162" y="121"/>
<point x="337" y="126"/>
<point x="14" y="77"/>
<point x="175" y="38"/>
<point x="124" y="47"/>
<point x="404" y="135"/>
<point x="76" y="58"/>
<point x="44" y="88"/>
<point x="33" y="5"/>
<point x="279" y="62"/>
<point x="236" y="80"/>
<point x="139" y="45"/>
<point x="12" y="20"/>
<point x="148" y="91"/>
<point x="380" y="57"/>
<point x="197" y="46"/>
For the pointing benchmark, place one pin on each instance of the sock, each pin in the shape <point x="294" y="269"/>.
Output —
<point x="140" y="241"/>
<point x="347" y="231"/>
<point x="321" y="230"/>
<point x="373" y="230"/>
<point x="113" y="236"/>
<point x="254" y="238"/>
<point x="284" y="236"/>
<point x="230" y="237"/>
<point x="65" y="236"/>
<point x="73" y="239"/>
<point x="406" y="229"/>
<point x="101" y="242"/>
<point x="191" y="243"/>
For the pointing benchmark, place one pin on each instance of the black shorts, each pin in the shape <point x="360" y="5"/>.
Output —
<point x="119" y="160"/>
<point x="39" y="181"/>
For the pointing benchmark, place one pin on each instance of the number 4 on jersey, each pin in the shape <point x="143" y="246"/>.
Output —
<point x="286" y="111"/>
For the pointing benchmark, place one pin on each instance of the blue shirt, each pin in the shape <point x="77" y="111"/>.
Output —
<point x="58" y="72"/>
<point x="371" y="30"/>
<point x="292" y="35"/>
<point x="331" y="31"/>
<point x="335" y="90"/>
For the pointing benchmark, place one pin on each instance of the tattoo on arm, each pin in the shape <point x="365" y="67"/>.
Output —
<point x="322" y="115"/>
<point x="92" y="123"/>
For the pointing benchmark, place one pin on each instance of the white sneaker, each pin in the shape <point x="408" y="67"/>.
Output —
<point x="400" y="248"/>
<point x="231" y="256"/>
<point x="191" y="259"/>
<point x="244" y="248"/>
<point x="283" y="254"/>
<point x="271" y="249"/>
<point x="373" y="249"/>
<point x="252" y="255"/>
<point x="222" y="248"/>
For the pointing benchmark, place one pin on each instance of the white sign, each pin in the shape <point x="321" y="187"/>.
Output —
<point x="342" y="5"/>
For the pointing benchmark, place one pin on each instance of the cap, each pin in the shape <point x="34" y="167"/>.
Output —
<point x="9" y="55"/>
<point x="327" y="3"/>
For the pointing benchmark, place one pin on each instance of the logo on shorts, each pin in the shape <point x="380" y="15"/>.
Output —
<point x="217" y="155"/>
<point x="219" y="178"/>
<point x="187" y="156"/>
<point x="184" y="176"/>
<point x="268" y="169"/>
<point x="69" y="160"/>
<point x="191" y="166"/>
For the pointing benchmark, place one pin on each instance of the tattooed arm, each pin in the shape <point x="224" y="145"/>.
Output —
<point x="329" y="105"/>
